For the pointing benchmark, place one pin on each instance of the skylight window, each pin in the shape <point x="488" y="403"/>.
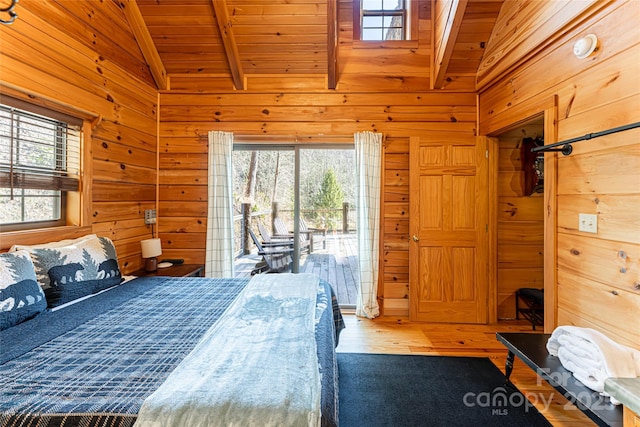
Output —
<point x="383" y="20"/>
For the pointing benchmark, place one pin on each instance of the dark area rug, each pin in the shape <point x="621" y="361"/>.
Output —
<point x="398" y="390"/>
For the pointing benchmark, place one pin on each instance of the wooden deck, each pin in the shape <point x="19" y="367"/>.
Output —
<point x="337" y="264"/>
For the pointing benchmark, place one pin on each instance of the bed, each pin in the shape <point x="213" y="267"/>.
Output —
<point x="101" y="359"/>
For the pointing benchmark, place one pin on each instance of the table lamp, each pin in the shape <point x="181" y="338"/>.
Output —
<point x="151" y="248"/>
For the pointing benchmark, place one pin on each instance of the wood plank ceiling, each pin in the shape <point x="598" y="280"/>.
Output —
<point x="234" y="38"/>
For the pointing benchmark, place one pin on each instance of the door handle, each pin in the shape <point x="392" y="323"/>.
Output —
<point x="415" y="238"/>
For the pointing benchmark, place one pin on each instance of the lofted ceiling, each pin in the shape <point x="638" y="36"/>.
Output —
<point x="232" y="39"/>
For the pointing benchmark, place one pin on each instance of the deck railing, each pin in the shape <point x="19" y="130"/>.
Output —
<point x="329" y="219"/>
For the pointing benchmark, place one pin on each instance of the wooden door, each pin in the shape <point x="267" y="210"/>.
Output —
<point x="449" y="229"/>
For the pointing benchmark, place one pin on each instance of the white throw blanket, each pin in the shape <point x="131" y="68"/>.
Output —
<point x="257" y="366"/>
<point x="592" y="357"/>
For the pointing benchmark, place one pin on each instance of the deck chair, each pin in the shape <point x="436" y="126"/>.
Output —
<point x="280" y="227"/>
<point x="276" y="257"/>
<point x="268" y="238"/>
<point x="282" y="232"/>
<point x="315" y="234"/>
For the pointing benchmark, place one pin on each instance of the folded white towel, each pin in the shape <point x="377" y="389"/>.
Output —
<point x="592" y="377"/>
<point x="581" y="349"/>
<point x="592" y="357"/>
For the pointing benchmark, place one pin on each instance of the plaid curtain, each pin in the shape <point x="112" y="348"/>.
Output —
<point x="219" y="251"/>
<point x="368" y="170"/>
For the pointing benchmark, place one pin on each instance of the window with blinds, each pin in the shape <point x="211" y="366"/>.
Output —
<point x="39" y="164"/>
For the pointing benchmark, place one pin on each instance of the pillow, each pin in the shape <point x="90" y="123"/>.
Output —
<point x="20" y="296"/>
<point x="70" y="272"/>
<point x="61" y="243"/>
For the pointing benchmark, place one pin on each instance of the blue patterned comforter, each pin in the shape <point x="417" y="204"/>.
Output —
<point x="94" y="363"/>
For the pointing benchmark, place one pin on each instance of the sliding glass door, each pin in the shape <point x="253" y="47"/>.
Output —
<point x="306" y="193"/>
<point x="327" y="208"/>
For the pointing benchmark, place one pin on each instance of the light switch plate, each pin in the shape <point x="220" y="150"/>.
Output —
<point x="588" y="223"/>
<point x="150" y="216"/>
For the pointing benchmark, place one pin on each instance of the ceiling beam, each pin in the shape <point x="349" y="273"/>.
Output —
<point x="229" y="42"/>
<point x="445" y="35"/>
<point x="332" y="43"/>
<point x="145" y="42"/>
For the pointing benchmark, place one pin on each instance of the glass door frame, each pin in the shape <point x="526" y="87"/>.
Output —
<point x="295" y="147"/>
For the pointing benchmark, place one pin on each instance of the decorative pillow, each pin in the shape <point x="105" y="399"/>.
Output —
<point x="61" y="243"/>
<point x="20" y="296"/>
<point x="71" y="272"/>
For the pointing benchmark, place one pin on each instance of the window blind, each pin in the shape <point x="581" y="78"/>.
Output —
<point x="38" y="151"/>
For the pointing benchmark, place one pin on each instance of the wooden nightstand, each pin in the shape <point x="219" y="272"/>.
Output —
<point x="177" y="270"/>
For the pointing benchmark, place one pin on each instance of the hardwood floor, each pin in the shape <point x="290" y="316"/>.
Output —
<point x="399" y="336"/>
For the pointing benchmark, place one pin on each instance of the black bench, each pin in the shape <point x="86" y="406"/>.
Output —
<point x="532" y="350"/>
<point x="533" y="310"/>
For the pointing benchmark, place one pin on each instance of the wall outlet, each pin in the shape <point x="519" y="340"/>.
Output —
<point x="150" y="216"/>
<point x="588" y="223"/>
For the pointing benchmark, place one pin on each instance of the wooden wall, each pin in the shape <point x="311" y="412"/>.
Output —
<point x="520" y="224"/>
<point x="308" y="116"/>
<point x="598" y="275"/>
<point x="83" y="57"/>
